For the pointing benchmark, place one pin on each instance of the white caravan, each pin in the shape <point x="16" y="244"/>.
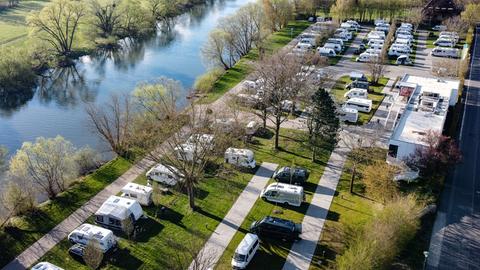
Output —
<point x="304" y="46"/>
<point x="335" y="40"/>
<point x="366" y="57"/>
<point x="356" y="93"/>
<point x="445" y="52"/>
<point x="140" y="193"/>
<point x="85" y="232"/>
<point x="382" y="28"/>
<point x="240" y="157"/>
<point x="245" y="251"/>
<point x="308" y="41"/>
<point x="348" y="115"/>
<point x="398" y="50"/>
<point x="328" y="52"/>
<point x="116" y="210"/>
<point x="403" y="41"/>
<point x="403" y="36"/>
<point x="203" y="140"/>
<point x="349" y="27"/>
<point x="360" y="104"/>
<point x="373" y="51"/>
<point x="375" y="42"/>
<point x="334" y="46"/>
<point x="376" y="47"/>
<point x="284" y="193"/>
<point x="251" y="128"/>
<point x="445" y="42"/>
<point x="164" y="174"/>
<point x="46" y="266"/>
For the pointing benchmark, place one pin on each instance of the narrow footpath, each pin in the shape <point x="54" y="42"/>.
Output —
<point x="223" y="234"/>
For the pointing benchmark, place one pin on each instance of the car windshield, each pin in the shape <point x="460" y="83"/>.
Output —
<point x="239" y="257"/>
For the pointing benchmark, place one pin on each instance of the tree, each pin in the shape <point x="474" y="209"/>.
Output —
<point x="18" y="197"/>
<point x="93" y="254"/>
<point x="471" y="14"/>
<point x="48" y="163"/>
<point x="113" y="123"/>
<point x="128" y="228"/>
<point x="322" y="121"/>
<point x="136" y="21"/>
<point x="57" y="23"/>
<point x="455" y="24"/>
<point x="377" y="68"/>
<point x="3" y="157"/>
<point x="435" y="157"/>
<point x="192" y="256"/>
<point x="277" y="13"/>
<point x="416" y="17"/>
<point x="378" y="179"/>
<point x="217" y="50"/>
<point x="157" y="100"/>
<point x="87" y="160"/>
<point x="281" y="85"/>
<point x="106" y="18"/>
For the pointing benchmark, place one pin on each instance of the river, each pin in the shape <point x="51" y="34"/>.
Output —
<point x="57" y="105"/>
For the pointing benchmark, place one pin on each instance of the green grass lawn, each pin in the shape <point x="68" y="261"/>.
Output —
<point x="272" y="254"/>
<point x="376" y="96"/>
<point x="216" y="194"/>
<point x="33" y="226"/>
<point x="347" y="211"/>
<point x="242" y="68"/>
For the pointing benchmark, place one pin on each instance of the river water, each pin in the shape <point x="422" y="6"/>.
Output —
<point x="57" y="105"/>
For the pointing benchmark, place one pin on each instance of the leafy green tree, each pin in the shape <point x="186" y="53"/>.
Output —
<point x="57" y="23"/>
<point x="48" y="163"/>
<point x="136" y="21"/>
<point x="322" y="122"/>
<point x="378" y="180"/>
<point x="471" y="14"/>
<point x="105" y="17"/>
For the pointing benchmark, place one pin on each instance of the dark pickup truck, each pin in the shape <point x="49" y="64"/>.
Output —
<point x="295" y="175"/>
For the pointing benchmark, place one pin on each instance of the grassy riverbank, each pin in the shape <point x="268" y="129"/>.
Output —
<point x="30" y="228"/>
<point x="244" y="66"/>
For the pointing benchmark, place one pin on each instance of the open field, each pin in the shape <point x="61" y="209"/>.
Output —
<point x="376" y="96"/>
<point x="33" y="226"/>
<point x="189" y="230"/>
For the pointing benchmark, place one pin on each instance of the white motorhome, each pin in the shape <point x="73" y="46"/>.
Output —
<point x="382" y="28"/>
<point x="376" y="47"/>
<point x="85" y="232"/>
<point x="284" y="193"/>
<point x="334" y="46"/>
<point x="349" y="27"/>
<point x="444" y="42"/>
<point x="348" y="115"/>
<point x="354" y="23"/>
<point x="335" y="40"/>
<point x="140" y="193"/>
<point x="308" y="41"/>
<point x="356" y="93"/>
<point x="240" y="157"/>
<point x="46" y="266"/>
<point x="164" y="174"/>
<point x="245" y="251"/>
<point x="406" y="25"/>
<point x="446" y="52"/>
<point x="329" y="52"/>
<point x="304" y="46"/>
<point x="251" y="127"/>
<point x="403" y="41"/>
<point x="377" y="33"/>
<point x="403" y="32"/>
<point x="360" y="104"/>
<point x="403" y="36"/>
<point x="373" y="51"/>
<point x="375" y="42"/>
<point x="116" y="210"/>
<point x="366" y="57"/>
<point x="397" y="51"/>
<point x="453" y="35"/>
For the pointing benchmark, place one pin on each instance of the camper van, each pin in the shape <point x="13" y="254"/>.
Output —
<point x="403" y="41"/>
<point x="336" y="40"/>
<point x="397" y="51"/>
<point x="304" y="46"/>
<point x="349" y="27"/>
<point x="334" y="46"/>
<point x="366" y="57"/>
<point x="356" y="93"/>
<point x="376" y="47"/>
<point x="360" y="104"/>
<point x="382" y="28"/>
<point x="348" y="115"/>
<point x="140" y="193"/>
<point x="240" y="157"/>
<point x="251" y="128"/>
<point x="46" y="266"/>
<point x="245" y="251"/>
<point x="445" y="52"/>
<point x="328" y="52"/>
<point x="284" y="193"/>
<point x="116" y="210"/>
<point x="164" y="174"/>
<point x="444" y="42"/>
<point x="375" y="41"/>
<point x="85" y="232"/>
<point x="404" y="36"/>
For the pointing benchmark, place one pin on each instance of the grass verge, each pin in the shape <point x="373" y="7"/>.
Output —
<point x="375" y="95"/>
<point x="29" y="228"/>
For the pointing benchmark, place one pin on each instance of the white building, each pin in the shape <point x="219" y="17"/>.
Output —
<point x="426" y="103"/>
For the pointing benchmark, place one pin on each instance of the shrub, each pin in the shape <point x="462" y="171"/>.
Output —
<point x="205" y="82"/>
<point x="87" y="160"/>
<point x="16" y="72"/>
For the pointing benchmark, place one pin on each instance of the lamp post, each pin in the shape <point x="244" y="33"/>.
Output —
<point x="425" y="253"/>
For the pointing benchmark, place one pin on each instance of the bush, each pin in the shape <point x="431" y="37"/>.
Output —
<point x="87" y="160"/>
<point x="382" y="239"/>
<point x="16" y="72"/>
<point x="205" y="82"/>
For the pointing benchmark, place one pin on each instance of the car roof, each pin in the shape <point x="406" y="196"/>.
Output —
<point x="278" y="222"/>
<point x="246" y="243"/>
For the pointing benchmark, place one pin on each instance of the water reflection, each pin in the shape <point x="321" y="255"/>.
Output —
<point x="12" y="101"/>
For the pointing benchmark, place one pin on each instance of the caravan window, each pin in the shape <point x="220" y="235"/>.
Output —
<point x="99" y="219"/>
<point x="113" y="222"/>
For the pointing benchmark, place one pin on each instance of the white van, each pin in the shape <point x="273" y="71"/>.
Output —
<point x="356" y="93"/>
<point x="245" y="251"/>
<point x="397" y="51"/>
<point x="366" y="57"/>
<point x="334" y="46"/>
<point x="348" y="115"/>
<point x="85" y="232"/>
<point x="360" y="104"/>
<point x="335" y="40"/>
<point x="375" y="41"/>
<point x="328" y="52"/>
<point x="46" y="266"/>
<point x="446" y="52"/>
<point x="164" y="174"/>
<point x="403" y="41"/>
<point x="404" y="36"/>
<point x="240" y="157"/>
<point x="444" y="42"/>
<point x="142" y="194"/>
<point x="284" y="193"/>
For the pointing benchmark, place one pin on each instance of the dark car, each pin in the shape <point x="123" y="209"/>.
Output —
<point x="296" y="175"/>
<point x="77" y="250"/>
<point x="273" y="227"/>
<point x="358" y="84"/>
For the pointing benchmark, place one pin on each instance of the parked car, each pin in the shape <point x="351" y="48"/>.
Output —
<point x="273" y="227"/>
<point x="296" y="175"/>
<point x="77" y="250"/>
<point x="358" y="84"/>
<point x="245" y="251"/>
<point x="403" y="60"/>
<point x="439" y="28"/>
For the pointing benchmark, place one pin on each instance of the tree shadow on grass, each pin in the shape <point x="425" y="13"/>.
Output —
<point x="123" y="259"/>
<point x="146" y="229"/>
<point x="221" y="220"/>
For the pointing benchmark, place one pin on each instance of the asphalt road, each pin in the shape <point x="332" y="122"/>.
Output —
<point x="455" y="242"/>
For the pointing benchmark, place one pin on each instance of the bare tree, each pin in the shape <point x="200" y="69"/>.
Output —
<point x="128" y="228"/>
<point x="93" y="254"/>
<point x="191" y="257"/>
<point x="106" y="17"/>
<point x="456" y="24"/>
<point x="378" y="179"/>
<point x="281" y="84"/>
<point x="17" y="198"/>
<point x="113" y="123"/>
<point x="58" y="23"/>
<point x="217" y="49"/>
<point x="377" y="68"/>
